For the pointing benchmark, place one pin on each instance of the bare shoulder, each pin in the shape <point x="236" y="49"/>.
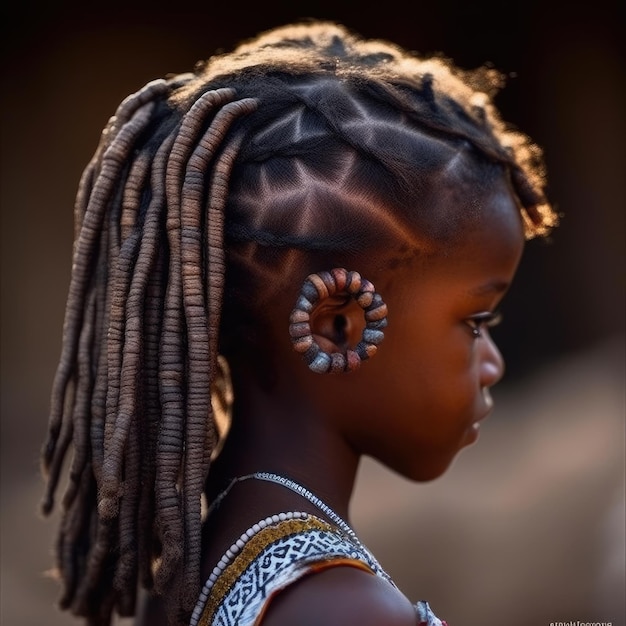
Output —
<point x="340" y="596"/>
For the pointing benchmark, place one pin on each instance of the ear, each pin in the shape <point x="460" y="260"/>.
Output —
<point x="337" y="324"/>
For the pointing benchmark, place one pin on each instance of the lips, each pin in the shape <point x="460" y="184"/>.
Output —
<point x="487" y="407"/>
<point x="488" y="400"/>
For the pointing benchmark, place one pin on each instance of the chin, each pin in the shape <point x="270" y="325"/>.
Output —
<point x="429" y="469"/>
<point x="471" y="434"/>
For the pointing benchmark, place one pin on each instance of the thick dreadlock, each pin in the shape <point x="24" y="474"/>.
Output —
<point x="142" y="333"/>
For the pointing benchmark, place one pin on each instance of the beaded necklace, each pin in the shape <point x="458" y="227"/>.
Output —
<point x="293" y="486"/>
<point x="238" y="546"/>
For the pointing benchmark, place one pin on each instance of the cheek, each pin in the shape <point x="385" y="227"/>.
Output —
<point x="451" y="385"/>
<point x="452" y="359"/>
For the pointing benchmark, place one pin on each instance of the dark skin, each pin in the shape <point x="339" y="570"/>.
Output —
<point x="430" y="380"/>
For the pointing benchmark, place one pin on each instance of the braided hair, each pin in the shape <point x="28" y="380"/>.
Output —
<point x="302" y="141"/>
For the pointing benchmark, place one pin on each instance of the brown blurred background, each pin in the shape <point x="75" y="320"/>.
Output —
<point x="528" y="526"/>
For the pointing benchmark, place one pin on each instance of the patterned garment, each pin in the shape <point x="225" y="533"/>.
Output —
<point x="274" y="556"/>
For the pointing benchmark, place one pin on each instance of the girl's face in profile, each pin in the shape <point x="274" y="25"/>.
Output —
<point x="427" y="389"/>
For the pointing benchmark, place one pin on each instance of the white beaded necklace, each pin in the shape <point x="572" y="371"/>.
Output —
<point x="235" y="548"/>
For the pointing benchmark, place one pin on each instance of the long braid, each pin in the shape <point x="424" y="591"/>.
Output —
<point x="139" y="453"/>
<point x="152" y="309"/>
<point x="109" y="432"/>
<point x="201" y="353"/>
<point x="84" y="385"/>
<point x="152" y="407"/>
<point x="173" y="389"/>
<point x="64" y="410"/>
<point x="83" y="256"/>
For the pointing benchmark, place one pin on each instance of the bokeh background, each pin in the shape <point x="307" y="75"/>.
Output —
<point x="527" y="527"/>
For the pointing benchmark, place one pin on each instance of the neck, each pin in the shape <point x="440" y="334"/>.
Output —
<point x="292" y="442"/>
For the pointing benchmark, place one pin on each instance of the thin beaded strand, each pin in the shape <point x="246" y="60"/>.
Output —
<point x="293" y="486"/>
<point x="311" y="497"/>
<point x="320" y="504"/>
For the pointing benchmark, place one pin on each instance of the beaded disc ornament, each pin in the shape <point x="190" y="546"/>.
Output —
<point x="316" y="288"/>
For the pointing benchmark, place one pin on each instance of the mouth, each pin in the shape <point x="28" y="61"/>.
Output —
<point x="488" y="400"/>
<point x="474" y="427"/>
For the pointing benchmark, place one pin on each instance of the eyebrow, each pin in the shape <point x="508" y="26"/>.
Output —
<point x="495" y="286"/>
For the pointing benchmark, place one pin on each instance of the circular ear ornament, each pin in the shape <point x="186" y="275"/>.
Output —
<point x="317" y="287"/>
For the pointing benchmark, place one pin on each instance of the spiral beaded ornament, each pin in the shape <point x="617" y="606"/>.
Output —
<point x="316" y="288"/>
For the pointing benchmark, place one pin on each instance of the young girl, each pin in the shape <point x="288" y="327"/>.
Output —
<point x="283" y="261"/>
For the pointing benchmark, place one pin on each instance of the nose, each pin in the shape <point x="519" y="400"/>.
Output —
<point x="491" y="363"/>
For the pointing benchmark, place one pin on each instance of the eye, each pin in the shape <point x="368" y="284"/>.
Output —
<point x="479" y="321"/>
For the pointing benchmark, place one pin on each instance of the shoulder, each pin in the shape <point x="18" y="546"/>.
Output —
<point x="340" y="596"/>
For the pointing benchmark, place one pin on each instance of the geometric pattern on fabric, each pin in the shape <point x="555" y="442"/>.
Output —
<point x="275" y="557"/>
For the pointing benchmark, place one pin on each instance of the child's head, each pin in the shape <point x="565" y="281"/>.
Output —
<point x="355" y="152"/>
<point x="211" y="198"/>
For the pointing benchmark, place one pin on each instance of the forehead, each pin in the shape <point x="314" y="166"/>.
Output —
<point x="477" y="267"/>
<point x="489" y="246"/>
<point x="497" y="231"/>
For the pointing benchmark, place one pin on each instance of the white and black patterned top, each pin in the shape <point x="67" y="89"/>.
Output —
<point x="276" y="555"/>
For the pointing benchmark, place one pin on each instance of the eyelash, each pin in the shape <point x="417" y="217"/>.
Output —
<point x="483" y="320"/>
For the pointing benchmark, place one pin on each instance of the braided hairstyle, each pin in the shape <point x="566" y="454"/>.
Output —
<point x="302" y="142"/>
